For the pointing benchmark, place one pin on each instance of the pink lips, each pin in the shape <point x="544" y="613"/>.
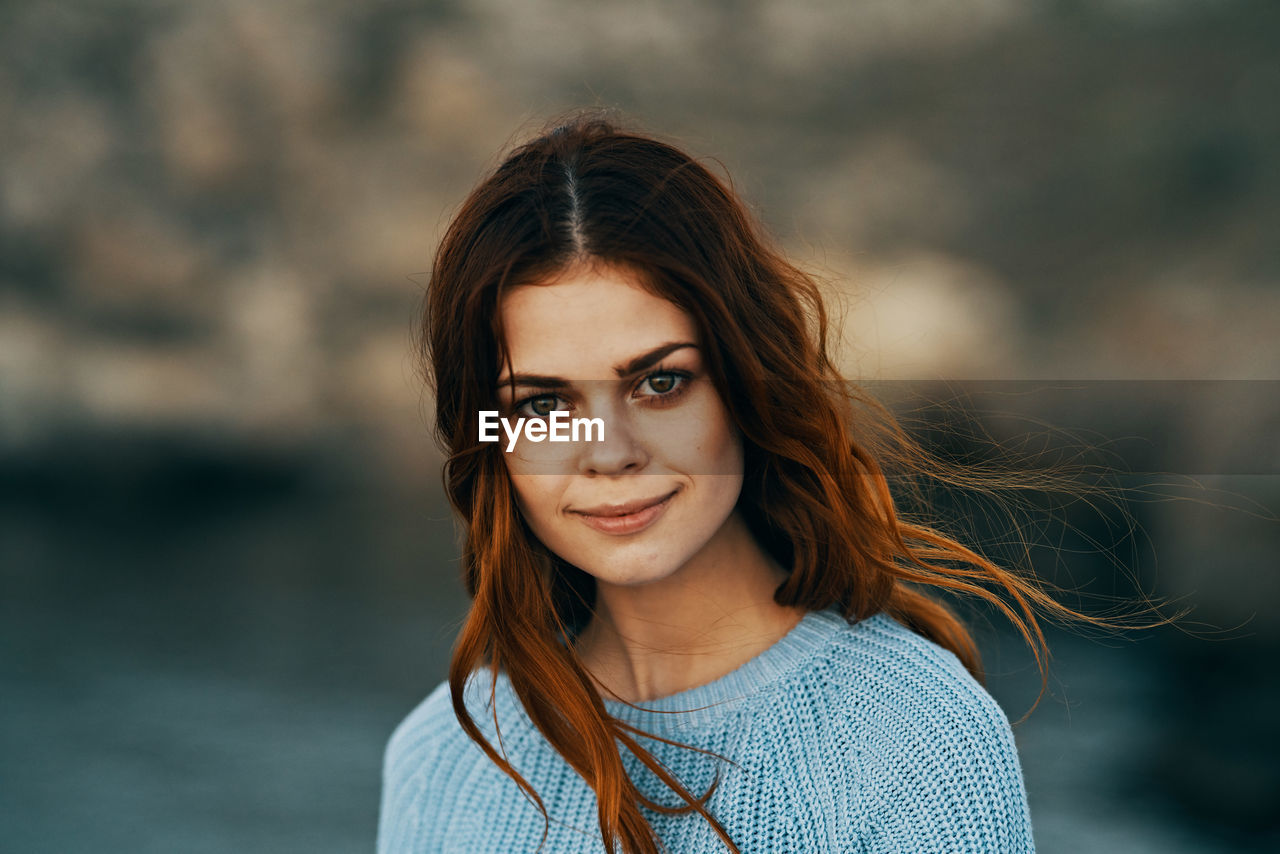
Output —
<point x="629" y="518"/>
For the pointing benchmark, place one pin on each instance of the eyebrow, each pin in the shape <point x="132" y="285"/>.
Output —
<point x="633" y="366"/>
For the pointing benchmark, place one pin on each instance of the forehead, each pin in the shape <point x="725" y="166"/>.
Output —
<point x="583" y="323"/>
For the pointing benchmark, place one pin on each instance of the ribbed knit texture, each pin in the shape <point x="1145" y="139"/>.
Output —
<point x="846" y="738"/>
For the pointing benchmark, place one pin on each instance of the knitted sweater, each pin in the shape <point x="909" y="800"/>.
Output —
<point x="843" y="738"/>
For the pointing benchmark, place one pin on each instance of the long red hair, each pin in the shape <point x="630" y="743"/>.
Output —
<point x="814" y="495"/>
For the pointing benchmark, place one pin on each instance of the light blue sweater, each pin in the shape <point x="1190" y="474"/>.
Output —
<point x="846" y="738"/>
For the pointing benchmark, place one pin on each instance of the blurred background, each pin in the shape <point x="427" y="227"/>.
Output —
<point x="228" y="570"/>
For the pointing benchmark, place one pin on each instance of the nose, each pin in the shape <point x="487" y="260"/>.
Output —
<point x="620" y="451"/>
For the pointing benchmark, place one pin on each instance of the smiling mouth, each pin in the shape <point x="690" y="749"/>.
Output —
<point x="629" y="518"/>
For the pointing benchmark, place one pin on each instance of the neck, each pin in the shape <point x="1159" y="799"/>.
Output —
<point x="701" y="622"/>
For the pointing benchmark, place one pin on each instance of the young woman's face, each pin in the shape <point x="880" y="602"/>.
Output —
<point x="652" y="496"/>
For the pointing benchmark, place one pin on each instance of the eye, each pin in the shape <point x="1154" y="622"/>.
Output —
<point x="662" y="384"/>
<point x="541" y="406"/>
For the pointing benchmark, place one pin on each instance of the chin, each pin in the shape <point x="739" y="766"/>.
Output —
<point x="638" y="577"/>
<point x="618" y="571"/>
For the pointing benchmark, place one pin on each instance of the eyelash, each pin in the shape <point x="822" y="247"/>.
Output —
<point x="657" y="399"/>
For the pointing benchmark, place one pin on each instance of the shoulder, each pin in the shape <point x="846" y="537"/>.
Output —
<point x="413" y="751"/>
<point x="883" y="666"/>
<point x="419" y="739"/>
<point x="431" y="738"/>
<point x="927" y="750"/>
<point x="433" y="771"/>
<point x="426" y="756"/>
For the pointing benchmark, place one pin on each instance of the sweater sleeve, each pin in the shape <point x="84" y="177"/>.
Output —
<point x="940" y="773"/>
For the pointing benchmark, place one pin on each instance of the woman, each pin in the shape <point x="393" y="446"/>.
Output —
<point x="708" y="628"/>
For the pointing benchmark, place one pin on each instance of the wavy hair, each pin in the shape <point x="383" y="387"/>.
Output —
<point x="814" y="494"/>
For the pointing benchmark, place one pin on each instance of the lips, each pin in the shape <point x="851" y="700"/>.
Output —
<point x="628" y="518"/>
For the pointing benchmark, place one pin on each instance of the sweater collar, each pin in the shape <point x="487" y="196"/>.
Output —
<point x="712" y="703"/>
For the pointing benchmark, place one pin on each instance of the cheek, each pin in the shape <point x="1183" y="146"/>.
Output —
<point x="537" y="496"/>
<point x="715" y="441"/>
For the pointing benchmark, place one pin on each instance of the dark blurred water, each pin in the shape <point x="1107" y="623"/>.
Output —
<point x="209" y="657"/>
<point x="202" y="652"/>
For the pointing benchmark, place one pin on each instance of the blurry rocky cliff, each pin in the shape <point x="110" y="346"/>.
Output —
<point x="216" y="218"/>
